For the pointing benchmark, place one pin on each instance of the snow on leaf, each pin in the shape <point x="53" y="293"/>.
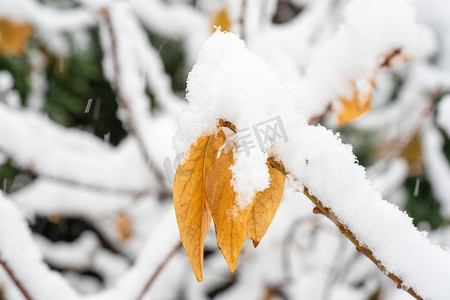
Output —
<point x="220" y="19"/>
<point x="265" y="206"/>
<point x="191" y="207"/>
<point x="13" y="36"/>
<point x="230" y="220"/>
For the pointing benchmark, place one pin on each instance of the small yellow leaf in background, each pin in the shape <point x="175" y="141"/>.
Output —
<point x="265" y="206"/>
<point x="230" y="220"/>
<point x="408" y="147"/>
<point x="55" y="219"/>
<point x="124" y="226"/>
<point x="413" y="155"/>
<point x="189" y="196"/>
<point x="353" y="107"/>
<point x="14" y="36"/>
<point x="222" y="19"/>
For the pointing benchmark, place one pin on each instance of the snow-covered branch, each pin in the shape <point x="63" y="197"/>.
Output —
<point x="19" y="255"/>
<point x="126" y="78"/>
<point x="84" y="218"/>
<point x="313" y="156"/>
<point x="38" y="145"/>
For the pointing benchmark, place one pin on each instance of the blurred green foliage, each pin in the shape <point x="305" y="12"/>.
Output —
<point x="422" y="206"/>
<point x="72" y="81"/>
<point x="172" y="55"/>
<point x="18" y="67"/>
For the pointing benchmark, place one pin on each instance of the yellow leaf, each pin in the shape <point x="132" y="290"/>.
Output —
<point x="124" y="226"/>
<point x="352" y="108"/>
<point x="13" y="36"/>
<point x="189" y="196"/>
<point x="230" y="220"/>
<point x="265" y="206"/>
<point x="222" y="19"/>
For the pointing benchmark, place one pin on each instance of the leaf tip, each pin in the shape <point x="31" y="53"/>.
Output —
<point x="255" y="243"/>
<point x="233" y="270"/>
<point x="199" y="277"/>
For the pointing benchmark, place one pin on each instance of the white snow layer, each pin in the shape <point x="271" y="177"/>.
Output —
<point x="20" y="253"/>
<point x="443" y="114"/>
<point x="228" y="82"/>
<point x="437" y="167"/>
<point x="37" y="144"/>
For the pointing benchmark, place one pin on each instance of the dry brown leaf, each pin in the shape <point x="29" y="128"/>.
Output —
<point x="14" y="36"/>
<point x="352" y="108"/>
<point x="230" y="220"/>
<point x="124" y="226"/>
<point x="221" y="18"/>
<point x="265" y="206"/>
<point x="191" y="207"/>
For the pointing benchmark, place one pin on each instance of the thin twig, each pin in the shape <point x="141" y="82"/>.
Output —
<point x="327" y="212"/>
<point x="158" y="271"/>
<point x="287" y="244"/>
<point x="329" y="282"/>
<point x="243" y="33"/>
<point x="16" y="281"/>
<point x="124" y="103"/>
<point x="387" y="61"/>
<point x="362" y="249"/>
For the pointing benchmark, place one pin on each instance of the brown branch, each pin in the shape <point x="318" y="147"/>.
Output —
<point x="387" y="61"/>
<point x="327" y="212"/>
<point x="158" y="271"/>
<point x="16" y="281"/>
<point x="124" y="103"/>
<point x="243" y="32"/>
